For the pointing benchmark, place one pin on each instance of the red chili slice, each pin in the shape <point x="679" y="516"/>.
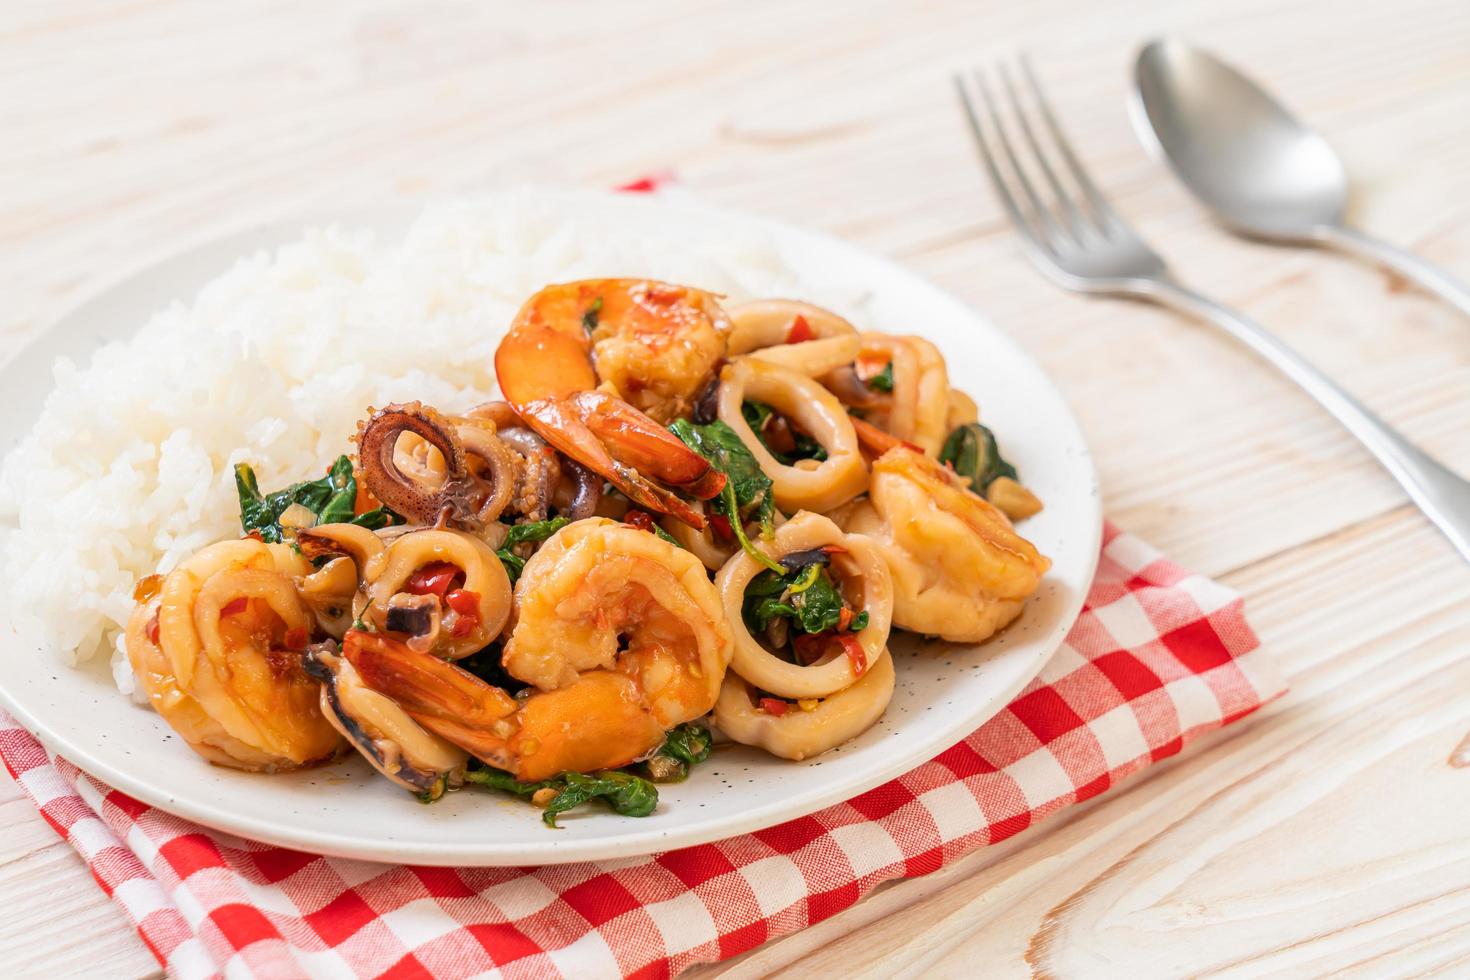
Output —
<point x="809" y="647"/>
<point x="234" y="606"/>
<point x="153" y="630"/>
<point x="800" y="331"/>
<point x="296" y="638"/>
<point x="773" y="706"/>
<point x="435" y="578"/>
<point x="463" y="601"/>
<point x="641" y="519"/>
<point x="812" y="647"/>
<point x="466" y="606"/>
<point x="719" y="526"/>
<point x="855" y="653"/>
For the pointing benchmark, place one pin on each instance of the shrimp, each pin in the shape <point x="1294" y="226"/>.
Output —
<point x="599" y="595"/>
<point x="653" y="343"/>
<point x="960" y="571"/>
<point x="599" y="722"/>
<point x="219" y="653"/>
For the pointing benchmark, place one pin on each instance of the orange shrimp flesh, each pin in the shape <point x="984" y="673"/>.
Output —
<point x="600" y="722"/>
<point x="545" y="370"/>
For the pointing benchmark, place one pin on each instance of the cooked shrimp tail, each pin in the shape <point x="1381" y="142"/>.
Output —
<point x="654" y="345"/>
<point x="599" y="722"/>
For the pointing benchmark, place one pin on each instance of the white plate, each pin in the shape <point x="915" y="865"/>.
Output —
<point x="347" y="811"/>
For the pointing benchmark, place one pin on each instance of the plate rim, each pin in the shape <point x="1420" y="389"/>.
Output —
<point x="393" y="219"/>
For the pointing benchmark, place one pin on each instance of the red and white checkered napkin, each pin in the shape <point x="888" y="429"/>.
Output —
<point x="1158" y="657"/>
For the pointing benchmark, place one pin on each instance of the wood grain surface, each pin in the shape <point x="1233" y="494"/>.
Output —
<point x="1325" y="835"/>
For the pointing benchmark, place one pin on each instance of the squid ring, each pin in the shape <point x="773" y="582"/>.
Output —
<point x="919" y="412"/>
<point x="767" y="323"/>
<point x="828" y="484"/>
<point x="389" y="572"/>
<point x="800" y="734"/>
<point x="861" y="570"/>
<point x="813" y="358"/>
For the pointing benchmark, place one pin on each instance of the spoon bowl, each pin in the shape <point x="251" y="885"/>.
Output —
<point x="1239" y="150"/>
<point x="1260" y="171"/>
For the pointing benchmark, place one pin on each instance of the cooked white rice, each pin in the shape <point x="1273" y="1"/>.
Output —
<point x="129" y="469"/>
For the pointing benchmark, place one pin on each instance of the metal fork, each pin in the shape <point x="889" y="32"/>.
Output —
<point x="1076" y="238"/>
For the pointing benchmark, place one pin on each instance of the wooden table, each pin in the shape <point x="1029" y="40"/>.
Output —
<point x="1326" y="833"/>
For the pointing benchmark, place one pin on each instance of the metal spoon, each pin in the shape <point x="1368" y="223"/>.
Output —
<point x="1261" y="172"/>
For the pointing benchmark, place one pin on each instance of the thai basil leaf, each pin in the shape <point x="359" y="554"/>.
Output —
<point x="691" y="744"/>
<point x="533" y="532"/>
<point x="818" y="607"/>
<point x="628" y="795"/>
<point x="756" y="415"/>
<point x="812" y="600"/>
<point x="972" y="452"/>
<point x="684" y="747"/>
<point x="747" y="491"/>
<point x="505" y="782"/>
<point x="883" y="380"/>
<point x="513" y="564"/>
<point x="332" y="499"/>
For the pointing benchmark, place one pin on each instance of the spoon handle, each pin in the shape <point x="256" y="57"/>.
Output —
<point x="1428" y="275"/>
<point x="1440" y="493"/>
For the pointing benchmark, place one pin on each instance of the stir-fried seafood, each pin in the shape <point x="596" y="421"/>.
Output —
<point x="604" y="596"/>
<point x="218" y="651"/>
<point x="546" y="372"/>
<point x="676" y="517"/>
<point x="960" y="571"/>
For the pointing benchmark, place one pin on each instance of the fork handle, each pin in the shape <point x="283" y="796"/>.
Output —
<point x="1428" y="275"/>
<point x="1440" y="493"/>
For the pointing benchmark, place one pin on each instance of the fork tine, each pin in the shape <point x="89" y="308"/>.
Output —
<point x="1073" y="218"/>
<point x="1008" y="201"/>
<point x="1007" y="146"/>
<point x="1100" y="207"/>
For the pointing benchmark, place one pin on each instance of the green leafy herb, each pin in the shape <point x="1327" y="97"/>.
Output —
<point x="689" y="743"/>
<point x="627" y="794"/>
<point x="808" y="596"/>
<point x="531" y="532"/>
<point x="332" y="499"/>
<point x="589" y="317"/>
<point x="757" y="414"/>
<point x="747" y="491"/>
<point x="685" y="746"/>
<point x="972" y="452"/>
<point x="883" y="380"/>
<point x="514" y="564"/>
<point x="535" y="531"/>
